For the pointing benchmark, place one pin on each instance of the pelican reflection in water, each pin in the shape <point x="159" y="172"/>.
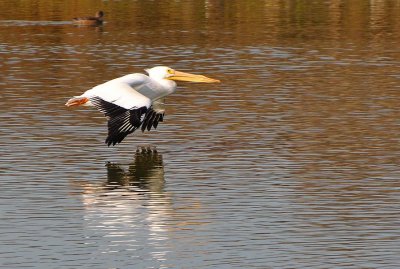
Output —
<point x="146" y="173"/>
<point x="129" y="212"/>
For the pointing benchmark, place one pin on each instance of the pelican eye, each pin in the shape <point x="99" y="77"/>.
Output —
<point x="170" y="71"/>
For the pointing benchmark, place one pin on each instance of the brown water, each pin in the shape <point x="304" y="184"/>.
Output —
<point x="291" y="162"/>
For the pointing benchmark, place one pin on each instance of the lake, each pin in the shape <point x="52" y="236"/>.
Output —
<point x="292" y="161"/>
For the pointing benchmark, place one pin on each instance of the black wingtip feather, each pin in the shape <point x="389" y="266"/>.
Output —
<point x="151" y="119"/>
<point x="122" y="121"/>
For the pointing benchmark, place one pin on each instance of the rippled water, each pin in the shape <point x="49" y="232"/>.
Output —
<point x="291" y="162"/>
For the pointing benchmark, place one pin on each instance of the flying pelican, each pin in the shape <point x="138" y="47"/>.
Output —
<point x="134" y="100"/>
<point x="96" y="20"/>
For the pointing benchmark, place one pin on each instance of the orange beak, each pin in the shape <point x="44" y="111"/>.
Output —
<point x="182" y="76"/>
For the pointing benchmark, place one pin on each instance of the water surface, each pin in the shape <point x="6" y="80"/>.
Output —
<point x="291" y="162"/>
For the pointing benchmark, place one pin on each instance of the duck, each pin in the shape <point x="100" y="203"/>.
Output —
<point x="93" y="21"/>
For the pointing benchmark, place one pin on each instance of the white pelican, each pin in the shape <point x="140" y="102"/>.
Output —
<point x="134" y="100"/>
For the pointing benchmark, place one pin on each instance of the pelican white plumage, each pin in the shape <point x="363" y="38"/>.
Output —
<point x="134" y="100"/>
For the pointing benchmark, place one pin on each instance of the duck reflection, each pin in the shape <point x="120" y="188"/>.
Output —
<point x="146" y="173"/>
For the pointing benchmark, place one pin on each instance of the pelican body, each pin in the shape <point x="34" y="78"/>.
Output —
<point x="91" y="21"/>
<point x="135" y="100"/>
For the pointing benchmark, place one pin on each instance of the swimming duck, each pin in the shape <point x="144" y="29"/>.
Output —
<point x="96" y="20"/>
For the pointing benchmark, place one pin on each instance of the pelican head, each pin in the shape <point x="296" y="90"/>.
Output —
<point x="164" y="72"/>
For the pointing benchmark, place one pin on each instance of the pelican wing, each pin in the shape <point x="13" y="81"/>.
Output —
<point x="121" y="92"/>
<point x="121" y="121"/>
<point x="154" y="115"/>
<point x="124" y="107"/>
